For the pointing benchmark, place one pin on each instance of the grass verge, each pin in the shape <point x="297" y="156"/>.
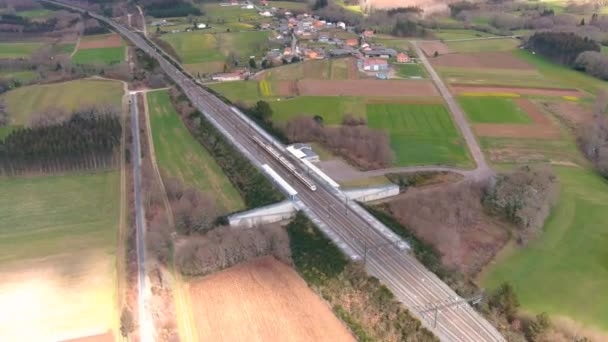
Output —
<point x="567" y="264"/>
<point x="178" y="153"/>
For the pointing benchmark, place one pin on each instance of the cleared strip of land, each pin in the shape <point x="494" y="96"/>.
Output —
<point x="262" y="300"/>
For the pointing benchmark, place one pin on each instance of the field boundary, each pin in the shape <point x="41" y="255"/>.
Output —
<point x="185" y="326"/>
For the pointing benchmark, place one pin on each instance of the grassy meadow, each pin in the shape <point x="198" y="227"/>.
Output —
<point x="420" y="134"/>
<point x="58" y="243"/>
<point x="202" y="49"/>
<point x="499" y="110"/>
<point x="451" y="34"/>
<point x="67" y="96"/>
<point x="483" y="45"/>
<point x="410" y="70"/>
<point x="565" y="271"/>
<point x="105" y="56"/>
<point x="331" y="108"/>
<point x="180" y="155"/>
<point x="18" y="50"/>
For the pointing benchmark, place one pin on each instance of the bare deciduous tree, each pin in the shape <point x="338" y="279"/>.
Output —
<point x="226" y="246"/>
<point x="368" y="148"/>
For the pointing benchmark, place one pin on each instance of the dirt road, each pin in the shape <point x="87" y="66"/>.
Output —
<point x="482" y="170"/>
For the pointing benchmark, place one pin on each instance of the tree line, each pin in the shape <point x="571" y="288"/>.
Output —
<point x="561" y="47"/>
<point x="353" y="140"/>
<point x="170" y="8"/>
<point x="88" y="140"/>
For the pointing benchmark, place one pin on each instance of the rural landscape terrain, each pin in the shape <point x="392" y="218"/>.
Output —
<point x="322" y="170"/>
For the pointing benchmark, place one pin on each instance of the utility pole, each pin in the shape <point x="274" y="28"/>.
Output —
<point x="436" y="307"/>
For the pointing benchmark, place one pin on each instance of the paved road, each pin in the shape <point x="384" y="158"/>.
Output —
<point x="146" y="328"/>
<point x="482" y="170"/>
<point x="411" y="283"/>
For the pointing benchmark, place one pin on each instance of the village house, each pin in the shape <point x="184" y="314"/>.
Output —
<point x="368" y="33"/>
<point x="352" y="42"/>
<point x="266" y="14"/>
<point x="402" y="58"/>
<point x="373" y="64"/>
<point x="380" y="53"/>
<point x="227" y="76"/>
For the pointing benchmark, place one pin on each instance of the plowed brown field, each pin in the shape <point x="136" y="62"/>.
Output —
<point x="262" y="300"/>
<point x="105" y="41"/>
<point x="487" y="60"/>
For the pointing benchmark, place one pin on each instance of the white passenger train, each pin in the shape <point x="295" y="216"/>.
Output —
<point x="285" y="163"/>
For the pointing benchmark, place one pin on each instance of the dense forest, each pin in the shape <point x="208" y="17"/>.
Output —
<point x="170" y="8"/>
<point x="561" y="47"/>
<point x="85" y="141"/>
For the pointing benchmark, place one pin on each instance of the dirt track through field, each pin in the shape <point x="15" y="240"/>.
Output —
<point x="108" y="41"/>
<point x="542" y="128"/>
<point x="358" y="88"/>
<point x="483" y="60"/>
<point x="463" y="88"/>
<point x="262" y="300"/>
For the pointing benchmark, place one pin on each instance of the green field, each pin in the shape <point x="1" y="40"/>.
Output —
<point x="484" y="45"/>
<point x="565" y="271"/>
<point x="215" y="13"/>
<point x="179" y="154"/>
<point x="107" y="56"/>
<point x="497" y="110"/>
<point x="43" y="215"/>
<point x="410" y="70"/>
<point x="33" y="14"/>
<point x="67" y="96"/>
<point x="449" y="34"/>
<point x="561" y="75"/>
<point x="290" y="5"/>
<point x="18" y="50"/>
<point x="331" y="108"/>
<point x="420" y="134"/>
<point x="506" y="77"/>
<point x="194" y="47"/>
<point x="197" y="47"/>
<point x="245" y="91"/>
<point x="58" y="237"/>
<point x="22" y="76"/>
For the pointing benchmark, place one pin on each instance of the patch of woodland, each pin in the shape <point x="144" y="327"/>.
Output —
<point x="223" y="247"/>
<point x="194" y="212"/>
<point x="423" y="178"/>
<point x="362" y="146"/>
<point x="561" y="47"/>
<point x="255" y="189"/>
<point x="592" y="135"/>
<point x="467" y="223"/>
<point x="170" y="8"/>
<point x="524" y="197"/>
<point x="401" y="22"/>
<point x="369" y="309"/>
<point x="147" y="72"/>
<point x="56" y="142"/>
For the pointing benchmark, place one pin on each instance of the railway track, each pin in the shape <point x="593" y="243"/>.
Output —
<point x="411" y="283"/>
